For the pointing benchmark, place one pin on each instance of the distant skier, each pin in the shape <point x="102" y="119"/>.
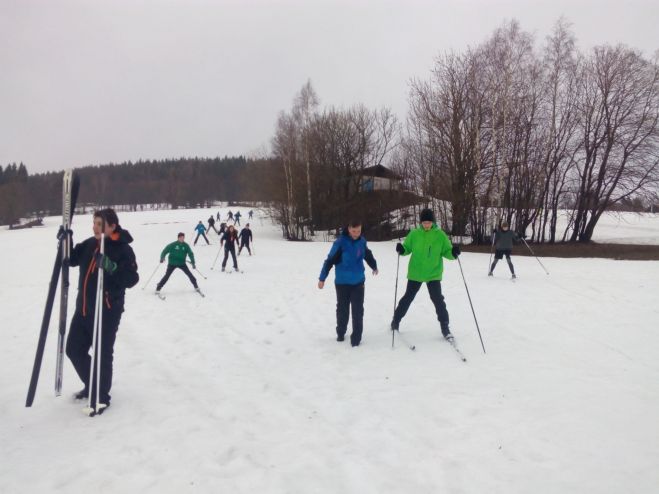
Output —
<point x="428" y="245"/>
<point x="503" y="244"/>
<point x="250" y="214"/>
<point x="178" y="252"/>
<point x="236" y="218"/>
<point x="201" y="230"/>
<point x="229" y="216"/>
<point x="348" y="254"/>
<point x="120" y="268"/>
<point x="245" y="238"/>
<point x="229" y="240"/>
<point x="218" y="216"/>
<point x="211" y="224"/>
<point x="223" y="228"/>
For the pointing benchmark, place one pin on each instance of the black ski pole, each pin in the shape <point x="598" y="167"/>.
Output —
<point x="471" y="304"/>
<point x="152" y="275"/>
<point x="50" y="299"/>
<point x="195" y="268"/>
<point x="533" y="254"/>
<point x="489" y="266"/>
<point x="217" y="256"/>
<point x="393" y="331"/>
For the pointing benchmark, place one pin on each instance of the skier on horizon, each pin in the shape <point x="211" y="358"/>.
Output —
<point x="503" y="244"/>
<point x="201" y="230"/>
<point x="229" y="241"/>
<point x="245" y="238"/>
<point x="211" y="224"/>
<point x="177" y="252"/>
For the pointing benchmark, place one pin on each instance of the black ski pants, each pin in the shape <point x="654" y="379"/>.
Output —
<point x="347" y="297"/>
<point x="435" y="291"/>
<point x="197" y="238"/>
<point x="499" y="253"/>
<point x="233" y="257"/>
<point x="243" y="243"/>
<point x="79" y="342"/>
<point x="170" y="270"/>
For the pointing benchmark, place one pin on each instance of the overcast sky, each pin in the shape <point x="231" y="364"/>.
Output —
<point x="90" y="82"/>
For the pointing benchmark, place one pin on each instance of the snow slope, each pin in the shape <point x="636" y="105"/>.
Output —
<point x="248" y="391"/>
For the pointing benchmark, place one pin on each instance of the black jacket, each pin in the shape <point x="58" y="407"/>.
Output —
<point x="229" y="240"/>
<point x="246" y="235"/>
<point x="114" y="285"/>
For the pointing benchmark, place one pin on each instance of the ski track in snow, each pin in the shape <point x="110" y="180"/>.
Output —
<point x="247" y="390"/>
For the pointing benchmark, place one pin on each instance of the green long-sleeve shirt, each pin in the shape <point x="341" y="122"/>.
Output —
<point x="177" y="253"/>
<point x="428" y="249"/>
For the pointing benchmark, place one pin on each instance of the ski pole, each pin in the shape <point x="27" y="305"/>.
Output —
<point x="533" y="254"/>
<point x="96" y="339"/>
<point x="471" y="304"/>
<point x="489" y="266"/>
<point x="217" y="256"/>
<point x="393" y="331"/>
<point x="195" y="268"/>
<point x="152" y="275"/>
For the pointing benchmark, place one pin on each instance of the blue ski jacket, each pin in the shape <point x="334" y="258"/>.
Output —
<point x="348" y="256"/>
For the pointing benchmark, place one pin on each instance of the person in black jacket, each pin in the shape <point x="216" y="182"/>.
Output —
<point x="120" y="268"/>
<point x="503" y="243"/>
<point x="229" y="240"/>
<point x="211" y="224"/>
<point x="245" y="238"/>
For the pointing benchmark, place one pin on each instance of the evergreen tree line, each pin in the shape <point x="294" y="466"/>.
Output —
<point x="184" y="182"/>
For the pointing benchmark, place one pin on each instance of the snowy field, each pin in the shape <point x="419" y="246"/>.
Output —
<point x="623" y="228"/>
<point x="247" y="391"/>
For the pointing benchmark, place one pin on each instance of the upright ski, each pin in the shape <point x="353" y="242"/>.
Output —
<point x="71" y="185"/>
<point x="63" y="239"/>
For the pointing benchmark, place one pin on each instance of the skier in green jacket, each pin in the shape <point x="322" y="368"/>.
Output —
<point x="428" y="246"/>
<point x="178" y="252"/>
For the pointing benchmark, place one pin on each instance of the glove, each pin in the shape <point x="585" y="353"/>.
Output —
<point x="106" y="263"/>
<point x="61" y="233"/>
<point x="194" y="266"/>
<point x="399" y="248"/>
<point x="162" y="260"/>
<point x="455" y="250"/>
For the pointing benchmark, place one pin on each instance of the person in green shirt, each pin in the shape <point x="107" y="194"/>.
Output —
<point x="428" y="246"/>
<point x="178" y="252"/>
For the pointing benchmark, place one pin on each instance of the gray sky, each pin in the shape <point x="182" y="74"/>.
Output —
<point x="90" y="82"/>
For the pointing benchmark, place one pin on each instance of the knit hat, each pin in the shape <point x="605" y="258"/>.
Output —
<point x="181" y="234"/>
<point x="427" y="215"/>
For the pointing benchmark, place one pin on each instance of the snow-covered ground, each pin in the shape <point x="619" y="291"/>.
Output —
<point x="247" y="390"/>
<point x="628" y="228"/>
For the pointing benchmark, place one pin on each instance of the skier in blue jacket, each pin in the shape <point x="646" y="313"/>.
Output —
<point x="348" y="254"/>
<point x="201" y="230"/>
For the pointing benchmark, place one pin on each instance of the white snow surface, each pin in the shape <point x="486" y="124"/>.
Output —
<point x="247" y="390"/>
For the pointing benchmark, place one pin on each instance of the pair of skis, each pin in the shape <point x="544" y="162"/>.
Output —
<point x="451" y="341"/>
<point x="164" y="297"/>
<point x="70" y="188"/>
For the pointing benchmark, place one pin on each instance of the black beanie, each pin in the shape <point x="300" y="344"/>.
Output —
<point x="427" y="215"/>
